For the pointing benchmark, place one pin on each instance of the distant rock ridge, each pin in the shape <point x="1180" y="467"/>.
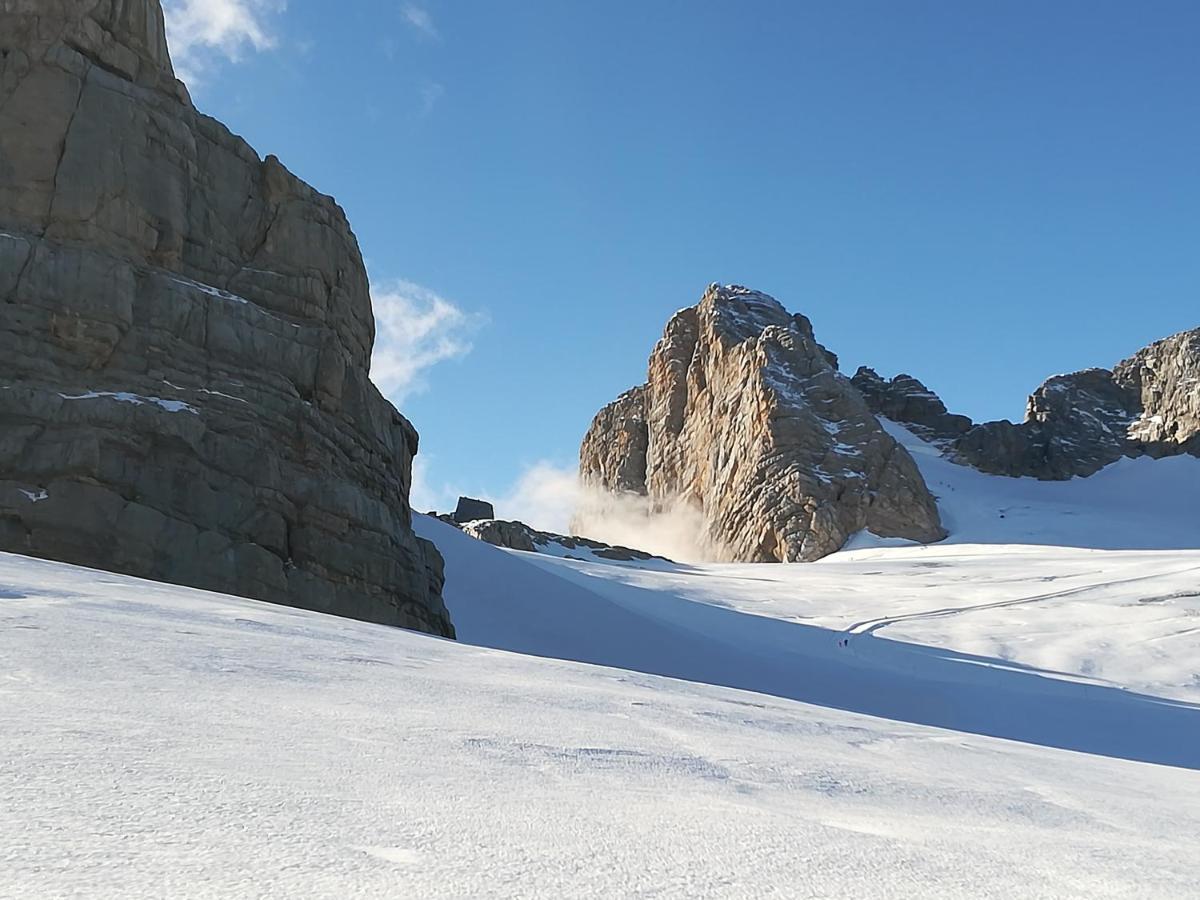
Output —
<point x="513" y="535"/>
<point x="185" y="341"/>
<point x="1075" y="424"/>
<point x="519" y="536"/>
<point x="905" y="399"/>
<point x="745" y="418"/>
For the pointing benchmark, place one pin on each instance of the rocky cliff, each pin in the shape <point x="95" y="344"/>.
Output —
<point x="905" y="399"/>
<point x="185" y="340"/>
<point x="745" y="417"/>
<point x="1075" y="425"/>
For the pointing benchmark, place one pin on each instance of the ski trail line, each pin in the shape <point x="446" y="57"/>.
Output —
<point x="870" y="626"/>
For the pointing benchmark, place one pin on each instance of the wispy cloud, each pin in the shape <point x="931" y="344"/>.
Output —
<point x="416" y="329"/>
<point x="431" y="93"/>
<point x="545" y="495"/>
<point x="424" y="495"/>
<point x="550" y="496"/>
<point x="418" y="18"/>
<point x="203" y="33"/>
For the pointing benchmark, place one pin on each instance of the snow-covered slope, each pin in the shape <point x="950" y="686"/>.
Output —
<point x="1017" y="626"/>
<point x="158" y="741"/>
<point x="1085" y="650"/>
<point x="1133" y="504"/>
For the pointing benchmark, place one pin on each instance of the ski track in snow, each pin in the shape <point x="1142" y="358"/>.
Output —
<point x="871" y="626"/>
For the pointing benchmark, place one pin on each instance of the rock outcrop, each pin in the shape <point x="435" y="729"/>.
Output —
<point x="1164" y="380"/>
<point x="1077" y="424"/>
<point x="746" y="418"/>
<point x="616" y="444"/>
<point x="906" y="400"/>
<point x="519" y="536"/>
<point x="469" y="510"/>
<point x="185" y="341"/>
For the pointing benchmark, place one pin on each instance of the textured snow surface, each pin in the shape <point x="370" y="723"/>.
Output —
<point x="1096" y="651"/>
<point x="1133" y="504"/>
<point x="164" y="742"/>
<point x="971" y="719"/>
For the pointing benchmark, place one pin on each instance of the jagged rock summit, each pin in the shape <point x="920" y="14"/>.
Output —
<point x="185" y="341"/>
<point x="745" y="417"/>
<point x="1076" y="424"/>
<point x="905" y="399"/>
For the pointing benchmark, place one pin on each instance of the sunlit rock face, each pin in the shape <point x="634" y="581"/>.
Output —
<point x="1075" y="425"/>
<point x="185" y="341"/>
<point x="745" y="418"/>
<point x="1165" y="379"/>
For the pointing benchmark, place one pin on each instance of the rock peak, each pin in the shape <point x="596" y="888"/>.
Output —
<point x="127" y="37"/>
<point x="745" y="418"/>
<point x="1078" y="423"/>
<point x="907" y="400"/>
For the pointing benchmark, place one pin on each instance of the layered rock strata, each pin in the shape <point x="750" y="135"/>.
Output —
<point x="1075" y="425"/>
<point x="745" y="418"/>
<point x="906" y="400"/>
<point x="185" y="341"/>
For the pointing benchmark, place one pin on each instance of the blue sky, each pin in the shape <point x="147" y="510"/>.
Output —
<point x="981" y="194"/>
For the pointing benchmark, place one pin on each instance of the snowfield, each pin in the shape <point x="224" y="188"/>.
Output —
<point x="164" y="742"/>
<point x="1013" y="713"/>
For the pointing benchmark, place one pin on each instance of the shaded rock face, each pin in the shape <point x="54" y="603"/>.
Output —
<point x="748" y="420"/>
<point x="1077" y="424"/>
<point x="185" y="337"/>
<point x="906" y="400"/>
<point x="470" y="509"/>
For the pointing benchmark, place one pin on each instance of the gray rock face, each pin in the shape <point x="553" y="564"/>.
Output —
<point x="748" y="420"/>
<point x="185" y="339"/>
<point x="499" y="533"/>
<point x="1077" y="424"/>
<point x="470" y="509"/>
<point x="906" y="400"/>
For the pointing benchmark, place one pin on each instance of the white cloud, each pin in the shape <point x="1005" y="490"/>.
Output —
<point x="424" y="496"/>
<point x="549" y="496"/>
<point x="415" y="329"/>
<point x="431" y="93"/>
<point x="201" y="32"/>
<point x="418" y="17"/>
<point x="552" y="498"/>
<point x="544" y="496"/>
